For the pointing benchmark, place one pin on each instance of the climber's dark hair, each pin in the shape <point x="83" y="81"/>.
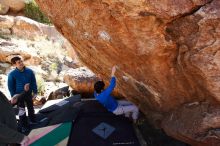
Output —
<point x="99" y="86"/>
<point x="14" y="59"/>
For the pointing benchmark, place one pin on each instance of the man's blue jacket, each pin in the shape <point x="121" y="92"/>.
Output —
<point x="17" y="79"/>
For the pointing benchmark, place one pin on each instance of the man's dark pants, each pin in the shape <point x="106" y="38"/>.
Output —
<point x="26" y="98"/>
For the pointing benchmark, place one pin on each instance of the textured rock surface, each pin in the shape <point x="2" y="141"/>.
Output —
<point x="6" y="22"/>
<point x="3" y="8"/>
<point x="191" y="120"/>
<point x="80" y="79"/>
<point x="14" y="5"/>
<point x="26" y="28"/>
<point x="167" y="51"/>
<point x="9" y="50"/>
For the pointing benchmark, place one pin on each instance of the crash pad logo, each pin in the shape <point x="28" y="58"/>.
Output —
<point x="103" y="130"/>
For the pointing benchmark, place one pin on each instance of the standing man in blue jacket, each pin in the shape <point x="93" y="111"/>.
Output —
<point x="118" y="107"/>
<point x="19" y="79"/>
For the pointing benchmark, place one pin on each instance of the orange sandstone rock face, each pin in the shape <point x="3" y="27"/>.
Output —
<point x="167" y="50"/>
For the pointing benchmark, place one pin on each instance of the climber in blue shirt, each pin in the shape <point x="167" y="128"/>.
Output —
<point x="105" y="97"/>
<point x="22" y="81"/>
<point x="118" y="107"/>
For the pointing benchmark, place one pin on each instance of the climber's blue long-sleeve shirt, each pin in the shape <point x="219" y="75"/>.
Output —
<point x="106" y="99"/>
<point x="17" y="79"/>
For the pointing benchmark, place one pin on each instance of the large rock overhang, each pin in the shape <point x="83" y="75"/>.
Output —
<point x="167" y="51"/>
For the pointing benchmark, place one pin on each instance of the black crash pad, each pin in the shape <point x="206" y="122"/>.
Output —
<point x="96" y="126"/>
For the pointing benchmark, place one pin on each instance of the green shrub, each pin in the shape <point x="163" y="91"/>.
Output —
<point x="53" y="66"/>
<point x="32" y="11"/>
<point x="40" y="84"/>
